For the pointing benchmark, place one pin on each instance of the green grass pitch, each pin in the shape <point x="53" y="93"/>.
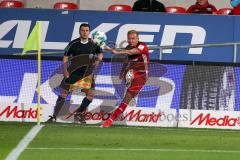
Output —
<point x="68" y="141"/>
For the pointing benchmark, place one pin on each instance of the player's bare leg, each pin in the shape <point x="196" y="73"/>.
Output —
<point x="79" y="116"/>
<point x="59" y="103"/>
<point x="134" y="84"/>
<point x="127" y="98"/>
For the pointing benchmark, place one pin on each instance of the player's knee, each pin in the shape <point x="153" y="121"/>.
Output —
<point x="128" y="97"/>
<point x="64" y="94"/>
<point x="90" y="95"/>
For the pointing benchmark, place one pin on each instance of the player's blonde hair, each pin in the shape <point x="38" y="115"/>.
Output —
<point x="133" y="32"/>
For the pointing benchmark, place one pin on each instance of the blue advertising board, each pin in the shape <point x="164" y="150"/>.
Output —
<point x="19" y="82"/>
<point x="168" y="86"/>
<point x="60" y="27"/>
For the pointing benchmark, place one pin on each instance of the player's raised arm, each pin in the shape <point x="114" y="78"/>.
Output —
<point x="100" y="56"/>
<point x="65" y="66"/>
<point x="125" y="51"/>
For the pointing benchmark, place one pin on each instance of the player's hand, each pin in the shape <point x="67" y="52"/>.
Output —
<point x="66" y="74"/>
<point x="107" y="48"/>
<point x="114" y="51"/>
<point x="96" y="63"/>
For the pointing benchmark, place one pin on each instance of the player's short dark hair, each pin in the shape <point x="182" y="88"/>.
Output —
<point x="133" y="32"/>
<point x="84" y="25"/>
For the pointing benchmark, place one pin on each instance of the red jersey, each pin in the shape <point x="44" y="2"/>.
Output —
<point x="139" y="62"/>
<point x="236" y="10"/>
<point x="202" y="9"/>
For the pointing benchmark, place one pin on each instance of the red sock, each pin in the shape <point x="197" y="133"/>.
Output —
<point x="118" y="111"/>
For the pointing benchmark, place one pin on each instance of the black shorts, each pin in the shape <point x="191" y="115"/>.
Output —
<point x="73" y="78"/>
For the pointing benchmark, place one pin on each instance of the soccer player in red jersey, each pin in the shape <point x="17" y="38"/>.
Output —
<point x="135" y="72"/>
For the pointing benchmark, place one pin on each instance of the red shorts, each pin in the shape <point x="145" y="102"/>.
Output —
<point x="135" y="81"/>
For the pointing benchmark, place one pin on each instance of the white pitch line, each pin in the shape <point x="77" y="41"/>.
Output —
<point x="22" y="145"/>
<point x="141" y="149"/>
<point x="160" y="128"/>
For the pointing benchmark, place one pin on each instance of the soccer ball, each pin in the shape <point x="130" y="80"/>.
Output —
<point x="99" y="38"/>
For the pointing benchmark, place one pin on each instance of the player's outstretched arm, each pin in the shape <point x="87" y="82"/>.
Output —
<point x="132" y="51"/>
<point x="125" y="52"/>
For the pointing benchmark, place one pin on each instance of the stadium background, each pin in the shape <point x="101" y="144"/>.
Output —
<point x="188" y="88"/>
<point x="184" y="85"/>
<point x="94" y="4"/>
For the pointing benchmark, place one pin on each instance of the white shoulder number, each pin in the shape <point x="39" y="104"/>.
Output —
<point x="141" y="47"/>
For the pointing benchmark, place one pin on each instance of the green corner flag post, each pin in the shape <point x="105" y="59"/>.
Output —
<point x="34" y="43"/>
